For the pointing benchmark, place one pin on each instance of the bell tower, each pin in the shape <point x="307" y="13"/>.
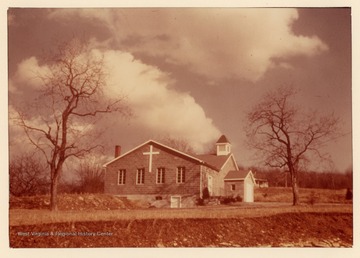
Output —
<point x="223" y="146"/>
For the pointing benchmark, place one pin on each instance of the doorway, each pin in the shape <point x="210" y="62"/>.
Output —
<point x="175" y="202"/>
<point x="210" y="185"/>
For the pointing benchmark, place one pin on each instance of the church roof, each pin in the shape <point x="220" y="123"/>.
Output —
<point x="210" y="160"/>
<point x="223" y="139"/>
<point x="214" y="160"/>
<point x="159" y="145"/>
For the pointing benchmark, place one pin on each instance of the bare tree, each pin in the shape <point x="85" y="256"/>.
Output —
<point x="27" y="176"/>
<point x="284" y="137"/>
<point x="91" y="176"/>
<point x="178" y="144"/>
<point x="70" y="98"/>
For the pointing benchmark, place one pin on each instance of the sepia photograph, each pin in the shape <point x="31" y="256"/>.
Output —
<point x="180" y="127"/>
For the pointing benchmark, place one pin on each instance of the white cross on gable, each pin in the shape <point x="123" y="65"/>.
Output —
<point x="150" y="153"/>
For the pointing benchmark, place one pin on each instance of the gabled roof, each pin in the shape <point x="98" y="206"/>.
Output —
<point x="156" y="144"/>
<point x="215" y="161"/>
<point x="210" y="160"/>
<point x="238" y="175"/>
<point x="223" y="139"/>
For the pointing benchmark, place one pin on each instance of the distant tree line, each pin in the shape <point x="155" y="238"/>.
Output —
<point x="307" y="179"/>
<point x="28" y="176"/>
<point x="89" y="178"/>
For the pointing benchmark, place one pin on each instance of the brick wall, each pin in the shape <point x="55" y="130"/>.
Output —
<point x="166" y="159"/>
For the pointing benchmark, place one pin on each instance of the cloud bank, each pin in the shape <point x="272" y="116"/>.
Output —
<point x="215" y="42"/>
<point x="158" y="109"/>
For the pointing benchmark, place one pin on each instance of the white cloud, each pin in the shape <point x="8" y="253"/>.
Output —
<point x="12" y="87"/>
<point x="158" y="109"/>
<point x="18" y="141"/>
<point x="28" y="73"/>
<point x="216" y="42"/>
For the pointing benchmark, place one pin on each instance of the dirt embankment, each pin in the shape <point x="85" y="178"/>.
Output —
<point x="78" y="202"/>
<point x="85" y="202"/>
<point x="288" y="229"/>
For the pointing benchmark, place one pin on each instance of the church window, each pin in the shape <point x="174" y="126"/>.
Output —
<point x="222" y="148"/>
<point x="121" y="176"/>
<point x="160" y="176"/>
<point x="180" y="177"/>
<point x="140" y="176"/>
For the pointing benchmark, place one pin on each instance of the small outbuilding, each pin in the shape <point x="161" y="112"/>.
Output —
<point x="261" y="182"/>
<point x="240" y="183"/>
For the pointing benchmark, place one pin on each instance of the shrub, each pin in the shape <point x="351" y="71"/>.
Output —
<point x="238" y="198"/>
<point x="349" y="194"/>
<point x="312" y="198"/>
<point x="200" y="202"/>
<point x="227" y="200"/>
<point x="205" y="193"/>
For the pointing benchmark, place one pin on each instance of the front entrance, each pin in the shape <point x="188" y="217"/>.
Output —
<point x="175" y="202"/>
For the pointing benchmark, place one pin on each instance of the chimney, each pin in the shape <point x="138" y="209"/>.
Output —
<point x="117" y="151"/>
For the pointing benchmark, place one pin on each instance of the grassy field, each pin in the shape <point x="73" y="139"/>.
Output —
<point x="324" y="219"/>
<point x="30" y="217"/>
<point x="268" y="201"/>
<point x="307" y="195"/>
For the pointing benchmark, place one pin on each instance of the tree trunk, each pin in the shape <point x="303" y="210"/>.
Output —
<point x="54" y="190"/>
<point x="295" y="189"/>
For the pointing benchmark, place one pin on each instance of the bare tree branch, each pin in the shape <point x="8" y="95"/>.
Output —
<point x="283" y="136"/>
<point x="27" y="176"/>
<point x="70" y="97"/>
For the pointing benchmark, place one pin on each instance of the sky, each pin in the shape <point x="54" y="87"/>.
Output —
<point x="194" y="73"/>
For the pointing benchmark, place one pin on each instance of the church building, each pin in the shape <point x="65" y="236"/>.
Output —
<point x="155" y="170"/>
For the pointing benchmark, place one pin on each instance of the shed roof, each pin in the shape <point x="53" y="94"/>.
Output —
<point x="236" y="175"/>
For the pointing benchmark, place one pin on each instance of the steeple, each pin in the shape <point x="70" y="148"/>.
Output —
<point x="223" y="146"/>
